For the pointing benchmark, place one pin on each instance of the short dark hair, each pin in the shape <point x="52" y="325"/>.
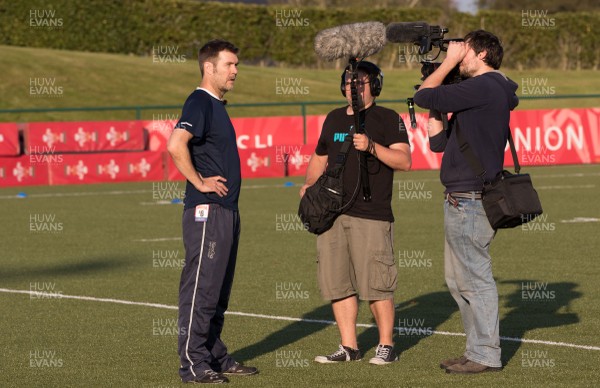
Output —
<point x="210" y="51"/>
<point x="481" y="40"/>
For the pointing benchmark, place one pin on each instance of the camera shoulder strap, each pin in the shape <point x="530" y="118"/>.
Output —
<point x="472" y="159"/>
<point x="341" y="157"/>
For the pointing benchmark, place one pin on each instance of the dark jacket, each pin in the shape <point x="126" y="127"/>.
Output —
<point x="482" y="106"/>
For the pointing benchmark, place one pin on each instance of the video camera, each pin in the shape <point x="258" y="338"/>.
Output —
<point x="426" y="37"/>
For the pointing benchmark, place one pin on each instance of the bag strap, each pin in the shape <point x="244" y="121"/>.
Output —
<point x="513" y="151"/>
<point x="475" y="164"/>
<point x="473" y="161"/>
<point x="341" y="157"/>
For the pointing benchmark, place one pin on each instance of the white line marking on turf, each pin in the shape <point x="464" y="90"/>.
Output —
<point x="77" y="194"/>
<point x="123" y="192"/>
<point x="281" y="318"/>
<point x="90" y="298"/>
<point x="266" y="186"/>
<point x="566" y="187"/>
<point x="577" y="220"/>
<point x="158" y="239"/>
<point x="161" y="202"/>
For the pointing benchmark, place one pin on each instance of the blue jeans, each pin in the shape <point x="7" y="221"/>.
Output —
<point x="468" y="272"/>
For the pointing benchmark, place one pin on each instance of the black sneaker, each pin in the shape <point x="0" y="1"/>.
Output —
<point x="344" y="353"/>
<point x="384" y="355"/>
<point x="209" y="377"/>
<point x="240" y="370"/>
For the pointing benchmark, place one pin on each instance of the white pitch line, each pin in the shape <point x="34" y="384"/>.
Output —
<point x="124" y="192"/>
<point x="566" y="187"/>
<point x="158" y="239"/>
<point x="278" y="318"/>
<point x="161" y="202"/>
<point x="280" y="186"/>
<point x="77" y="194"/>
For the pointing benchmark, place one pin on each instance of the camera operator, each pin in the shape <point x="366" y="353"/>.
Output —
<point x="481" y="105"/>
<point x="355" y="256"/>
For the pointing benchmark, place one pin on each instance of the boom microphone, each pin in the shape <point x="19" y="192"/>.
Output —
<point x="408" y="32"/>
<point x="357" y="40"/>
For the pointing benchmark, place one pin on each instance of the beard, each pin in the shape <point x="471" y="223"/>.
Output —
<point x="223" y="83"/>
<point x="465" y="72"/>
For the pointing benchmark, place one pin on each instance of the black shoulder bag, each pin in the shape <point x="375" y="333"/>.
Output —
<point x="322" y="202"/>
<point x="510" y="199"/>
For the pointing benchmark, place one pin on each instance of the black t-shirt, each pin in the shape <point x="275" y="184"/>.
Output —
<point x="213" y="148"/>
<point x="385" y="127"/>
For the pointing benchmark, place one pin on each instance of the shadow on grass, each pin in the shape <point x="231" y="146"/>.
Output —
<point x="429" y="310"/>
<point x="535" y="305"/>
<point x="415" y="320"/>
<point x="45" y="273"/>
<point x="287" y="335"/>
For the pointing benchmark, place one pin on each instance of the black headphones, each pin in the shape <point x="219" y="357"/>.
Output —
<point x="375" y="77"/>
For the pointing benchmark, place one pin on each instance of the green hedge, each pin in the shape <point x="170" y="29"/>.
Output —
<point x="137" y="26"/>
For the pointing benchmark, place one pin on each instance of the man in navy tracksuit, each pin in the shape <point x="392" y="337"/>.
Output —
<point x="203" y="147"/>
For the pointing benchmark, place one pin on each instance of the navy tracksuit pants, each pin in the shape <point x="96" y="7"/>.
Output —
<point x="206" y="279"/>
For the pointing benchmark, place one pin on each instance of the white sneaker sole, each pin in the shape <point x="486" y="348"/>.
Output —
<point x="379" y="361"/>
<point x="325" y="360"/>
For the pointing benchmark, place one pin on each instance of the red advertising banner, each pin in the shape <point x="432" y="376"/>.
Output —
<point x="82" y="136"/>
<point x="173" y="173"/>
<point x="158" y="133"/>
<point x="23" y="171"/>
<point x="268" y="146"/>
<point x="542" y="138"/>
<point x="107" y="167"/>
<point x="261" y="163"/>
<point x="9" y="140"/>
<point x="558" y="136"/>
<point x="251" y="132"/>
<point x="296" y="157"/>
<point x="263" y="132"/>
